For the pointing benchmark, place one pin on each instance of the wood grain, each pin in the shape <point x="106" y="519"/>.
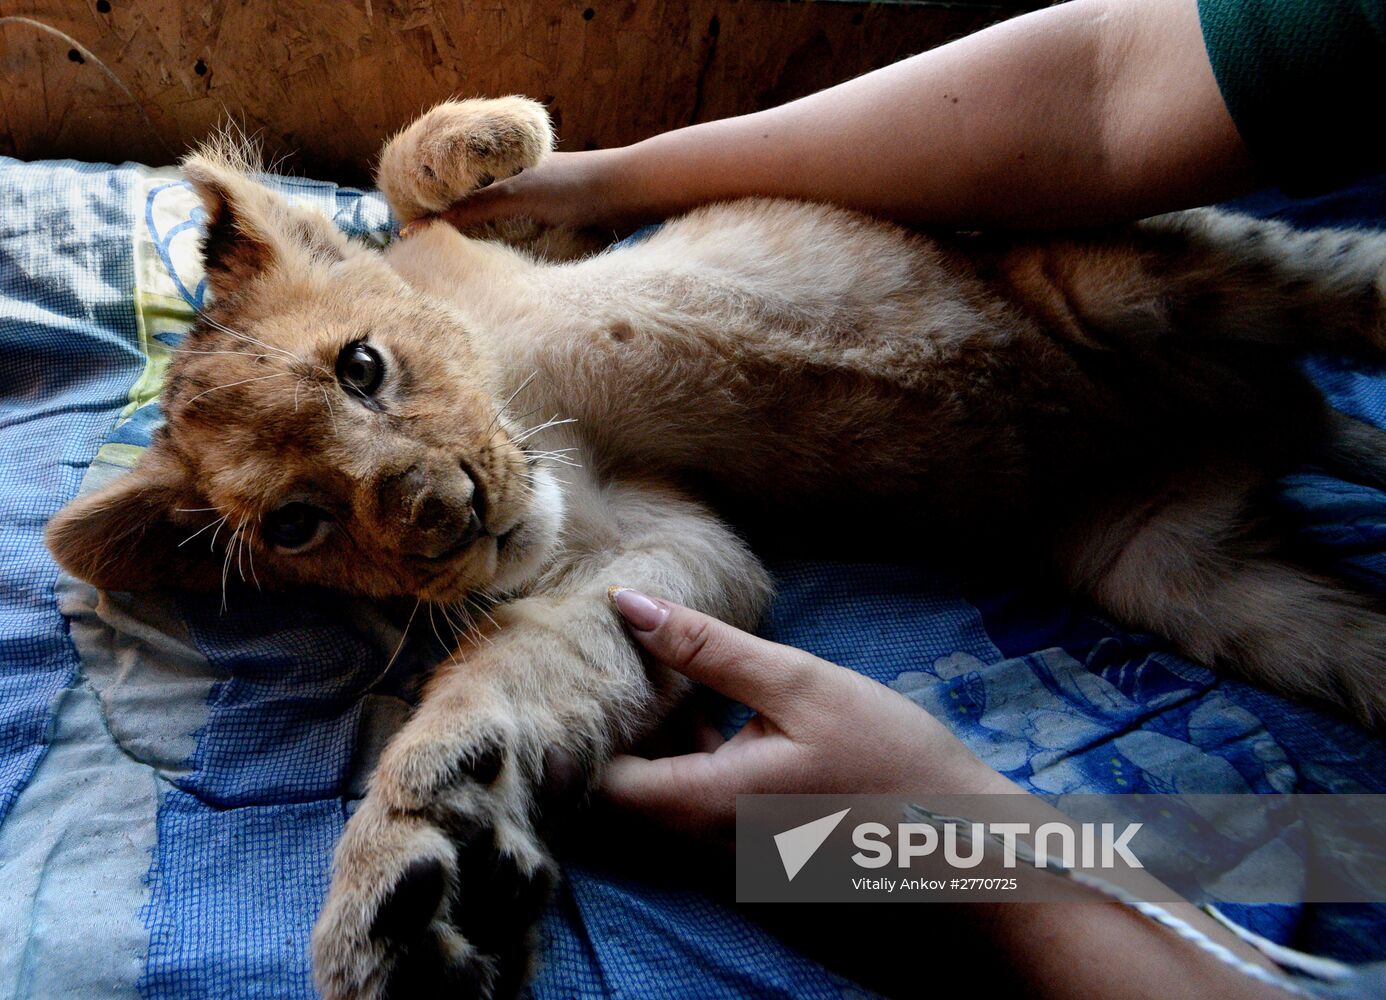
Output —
<point x="325" y="81"/>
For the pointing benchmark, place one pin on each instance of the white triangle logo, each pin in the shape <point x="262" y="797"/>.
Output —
<point x="799" y="844"/>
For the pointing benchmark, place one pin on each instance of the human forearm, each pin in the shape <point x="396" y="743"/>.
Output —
<point x="1084" y="112"/>
<point x="1092" y="950"/>
<point x="1090" y="112"/>
<point x="1081" y="944"/>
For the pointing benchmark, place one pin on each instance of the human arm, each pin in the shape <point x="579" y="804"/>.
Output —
<point x="822" y="728"/>
<point x="1090" y="112"/>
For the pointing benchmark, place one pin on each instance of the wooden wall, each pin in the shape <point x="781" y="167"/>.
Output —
<point x="324" y="81"/>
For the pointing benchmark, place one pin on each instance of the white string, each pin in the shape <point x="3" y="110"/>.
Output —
<point x="1187" y="932"/>
<point x="1327" y="969"/>
<point x="1151" y="911"/>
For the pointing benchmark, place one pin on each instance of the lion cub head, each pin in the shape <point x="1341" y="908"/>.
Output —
<point x="325" y="424"/>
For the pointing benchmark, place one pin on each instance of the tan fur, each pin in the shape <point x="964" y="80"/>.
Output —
<point x="1112" y="404"/>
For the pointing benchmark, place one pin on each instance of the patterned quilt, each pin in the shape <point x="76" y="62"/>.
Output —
<point x="174" y="773"/>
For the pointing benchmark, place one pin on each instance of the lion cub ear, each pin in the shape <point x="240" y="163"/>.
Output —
<point x="131" y="534"/>
<point x="250" y="230"/>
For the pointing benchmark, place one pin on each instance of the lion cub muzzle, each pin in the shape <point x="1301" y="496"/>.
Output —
<point x="434" y="509"/>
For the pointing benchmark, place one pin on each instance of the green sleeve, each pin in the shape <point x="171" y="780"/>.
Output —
<point x="1304" y="82"/>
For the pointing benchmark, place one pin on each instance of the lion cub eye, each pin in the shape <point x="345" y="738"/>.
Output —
<point x="360" y="369"/>
<point x="293" y="526"/>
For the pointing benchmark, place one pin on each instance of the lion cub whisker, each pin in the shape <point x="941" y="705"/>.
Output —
<point x="218" y="325"/>
<point x="231" y="385"/>
<point x="500" y="410"/>
<point x="250" y="548"/>
<point x="246" y="354"/>
<point x="553" y="421"/>
<point x="399" y="646"/>
<point x="475" y="605"/>
<point x="226" y="562"/>
<point x="220" y="521"/>
<point x="544" y="456"/>
<point x="468" y="629"/>
<point x="327" y="402"/>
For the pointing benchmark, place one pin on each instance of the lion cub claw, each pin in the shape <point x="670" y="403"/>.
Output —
<point x="460" y="147"/>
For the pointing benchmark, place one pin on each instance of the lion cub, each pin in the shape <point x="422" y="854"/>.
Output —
<point x="395" y="424"/>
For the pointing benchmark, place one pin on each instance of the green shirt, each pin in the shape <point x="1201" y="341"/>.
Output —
<point x="1304" y="82"/>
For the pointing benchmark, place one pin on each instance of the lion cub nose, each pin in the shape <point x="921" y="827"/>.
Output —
<point x="431" y="511"/>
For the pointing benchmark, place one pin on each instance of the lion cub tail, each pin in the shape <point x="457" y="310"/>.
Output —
<point x="1354" y="449"/>
<point x="1250" y="280"/>
<point x="1207" y="277"/>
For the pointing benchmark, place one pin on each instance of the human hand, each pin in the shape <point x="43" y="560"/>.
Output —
<point x="572" y="189"/>
<point x="820" y="728"/>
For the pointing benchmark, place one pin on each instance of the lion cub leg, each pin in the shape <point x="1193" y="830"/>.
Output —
<point x="1191" y="565"/>
<point x="443" y="869"/>
<point x="459" y="147"/>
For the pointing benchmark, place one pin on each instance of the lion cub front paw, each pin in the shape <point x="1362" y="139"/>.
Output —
<point x="459" y="147"/>
<point x="440" y="875"/>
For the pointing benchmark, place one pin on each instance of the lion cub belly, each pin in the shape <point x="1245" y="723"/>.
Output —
<point x="794" y="350"/>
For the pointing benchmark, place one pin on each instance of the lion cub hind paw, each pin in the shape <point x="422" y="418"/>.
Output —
<point x="460" y="147"/>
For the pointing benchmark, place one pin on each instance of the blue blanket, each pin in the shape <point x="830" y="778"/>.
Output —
<point x="173" y="776"/>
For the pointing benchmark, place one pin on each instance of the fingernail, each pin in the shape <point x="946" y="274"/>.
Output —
<point x="637" y="609"/>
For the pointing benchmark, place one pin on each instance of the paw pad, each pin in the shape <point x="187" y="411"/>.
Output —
<point x="424" y="970"/>
<point x="412" y="904"/>
<point x="484" y="766"/>
<point x="562" y="786"/>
